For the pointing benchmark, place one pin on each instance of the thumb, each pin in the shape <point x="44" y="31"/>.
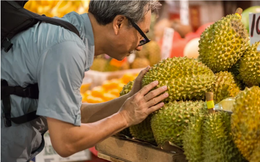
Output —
<point x="142" y="73"/>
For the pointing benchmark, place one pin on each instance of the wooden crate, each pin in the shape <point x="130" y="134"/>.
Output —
<point x="122" y="150"/>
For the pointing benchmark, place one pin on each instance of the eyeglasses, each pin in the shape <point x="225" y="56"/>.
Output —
<point x="145" y="40"/>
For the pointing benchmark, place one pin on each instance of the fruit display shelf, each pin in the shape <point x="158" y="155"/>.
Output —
<point x="119" y="149"/>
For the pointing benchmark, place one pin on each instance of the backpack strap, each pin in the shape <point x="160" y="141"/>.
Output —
<point x="30" y="91"/>
<point x="15" y="9"/>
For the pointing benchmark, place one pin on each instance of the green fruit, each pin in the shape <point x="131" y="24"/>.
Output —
<point x="140" y="62"/>
<point x="143" y="131"/>
<point x="127" y="88"/>
<point x="98" y="64"/>
<point x="223" y="43"/>
<point x="192" y="139"/>
<point x="235" y="72"/>
<point x="217" y="143"/>
<point x="224" y="87"/>
<point x="256" y="154"/>
<point x="250" y="66"/>
<point x="186" y="78"/>
<point x="245" y="15"/>
<point x="169" y="122"/>
<point x="245" y="121"/>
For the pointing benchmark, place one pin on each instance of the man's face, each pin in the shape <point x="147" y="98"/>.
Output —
<point x="129" y="38"/>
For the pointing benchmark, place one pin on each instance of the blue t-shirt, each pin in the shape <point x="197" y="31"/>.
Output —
<point x="56" y="59"/>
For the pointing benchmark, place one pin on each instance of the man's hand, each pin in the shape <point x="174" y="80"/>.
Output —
<point x="138" y="82"/>
<point x="143" y="103"/>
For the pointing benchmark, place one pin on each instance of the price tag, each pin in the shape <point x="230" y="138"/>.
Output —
<point x="184" y="12"/>
<point x="254" y="28"/>
<point x="167" y="42"/>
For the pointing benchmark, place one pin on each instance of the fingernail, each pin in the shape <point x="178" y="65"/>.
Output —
<point x="164" y="87"/>
<point x="155" y="82"/>
<point x="161" y="104"/>
<point x="166" y="94"/>
<point x="148" y="67"/>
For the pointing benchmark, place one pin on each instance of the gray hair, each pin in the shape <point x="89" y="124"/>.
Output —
<point x="106" y="10"/>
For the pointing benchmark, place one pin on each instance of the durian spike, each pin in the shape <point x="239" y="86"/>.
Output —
<point x="210" y="102"/>
<point x="239" y="12"/>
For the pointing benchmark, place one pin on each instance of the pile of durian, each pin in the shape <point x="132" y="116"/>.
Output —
<point x="228" y="66"/>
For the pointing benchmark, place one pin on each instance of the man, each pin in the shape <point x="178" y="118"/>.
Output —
<point x="56" y="59"/>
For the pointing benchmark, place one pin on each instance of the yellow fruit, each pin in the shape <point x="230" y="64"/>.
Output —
<point x="111" y="84"/>
<point x="115" y="92"/>
<point x="97" y="91"/>
<point x="109" y="96"/>
<point x="92" y="99"/>
<point x="84" y="87"/>
<point x="127" y="78"/>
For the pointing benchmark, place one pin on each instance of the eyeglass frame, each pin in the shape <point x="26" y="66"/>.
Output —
<point x="145" y="40"/>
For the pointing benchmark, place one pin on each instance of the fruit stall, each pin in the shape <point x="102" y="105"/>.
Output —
<point x="215" y="56"/>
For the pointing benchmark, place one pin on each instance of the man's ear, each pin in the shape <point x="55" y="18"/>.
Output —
<point x="118" y="23"/>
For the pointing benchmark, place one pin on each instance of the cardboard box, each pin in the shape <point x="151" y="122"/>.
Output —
<point x="122" y="150"/>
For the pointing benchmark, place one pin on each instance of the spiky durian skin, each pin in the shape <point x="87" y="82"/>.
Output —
<point x="143" y="131"/>
<point x="245" y="121"/>
<point x="169" y="122"/>
<point x="127" y="88"/>
<point x="250" y="66"/>
<point x="235" y="72"/>
<point x="224" y="87"/>
<point x="192" y="139"/>
<point x="223" y="43"/>
<point x="256" y="154"/>
<point x="217" y="143"/>
<point x="186" y="78"/>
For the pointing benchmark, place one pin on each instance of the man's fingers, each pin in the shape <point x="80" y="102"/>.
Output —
<point x="155" y="93"/>
<point x="155" y="107"/>
<point x="148" y="88"/>
<point x="142" y="73"/>
<point x="158" y="99"/>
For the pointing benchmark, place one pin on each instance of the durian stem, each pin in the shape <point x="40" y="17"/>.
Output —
<point x="210" y="102"/>
<point x="239" y="12"/>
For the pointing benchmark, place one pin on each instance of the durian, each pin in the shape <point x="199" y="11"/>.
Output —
<point x="235" y="72"/>
<point x="99" y="64"/>
<point x="186" y="78"/>
<point x="245" y="121"/>
<point x="250" y="66"/>
<point x="141" y="131"/>
<point x="151" y="51"/>
<point x="192" y="139"/>
<point x="256" y="154"/>
<point x="140" y="62"/>
<point x="224" y="87"/>
<point x="127" y="88"/>
<point x="217" y="142"/>
<point x="169" y="122"/>
<point x="223" y="43"/>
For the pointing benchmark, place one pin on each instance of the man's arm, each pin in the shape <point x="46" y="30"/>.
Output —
<point x="94" y="112"/>
<point x="68" y="139"/>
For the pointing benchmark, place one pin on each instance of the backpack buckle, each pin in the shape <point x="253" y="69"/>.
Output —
<point x="7" y="45"/>
<point x="7" y="122"/>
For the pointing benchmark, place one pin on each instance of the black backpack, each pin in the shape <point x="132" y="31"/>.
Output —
<point x="15" y="19"/>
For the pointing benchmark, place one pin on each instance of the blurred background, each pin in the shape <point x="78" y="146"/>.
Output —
<point x="174" y="32"/>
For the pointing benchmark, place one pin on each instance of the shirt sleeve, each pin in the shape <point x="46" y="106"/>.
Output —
<point x="60" y="75"/>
